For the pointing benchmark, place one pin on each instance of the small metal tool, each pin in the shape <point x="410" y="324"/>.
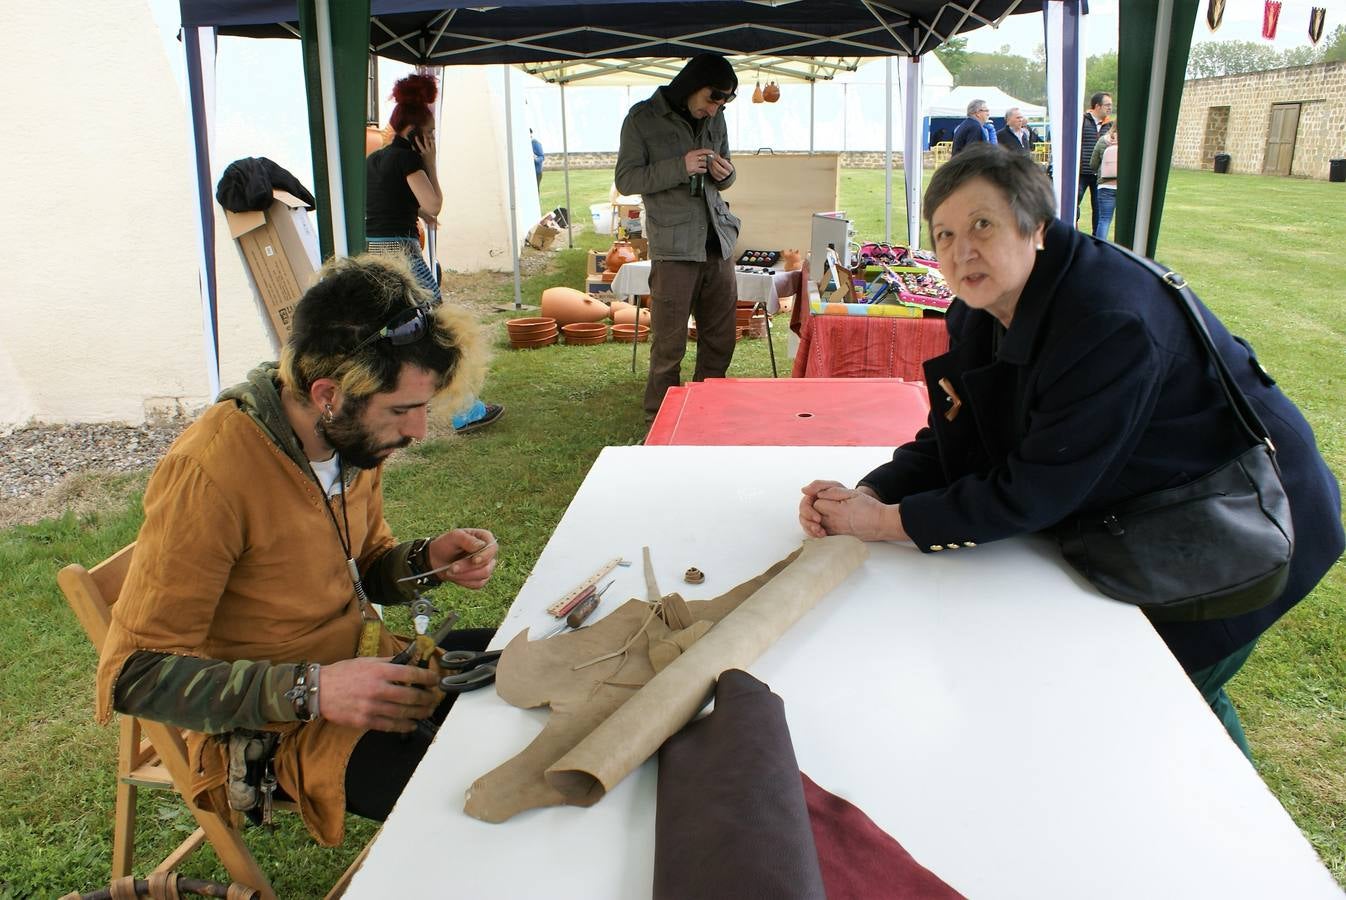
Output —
<point x="444" y="568"/>
<point x="581" y="611"/>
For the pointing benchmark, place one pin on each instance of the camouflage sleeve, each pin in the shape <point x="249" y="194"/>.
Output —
<point x="381" y="577"/>
<point x="206" y="695"/>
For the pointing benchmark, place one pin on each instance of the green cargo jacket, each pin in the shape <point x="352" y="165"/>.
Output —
<point x="655" y="138"/>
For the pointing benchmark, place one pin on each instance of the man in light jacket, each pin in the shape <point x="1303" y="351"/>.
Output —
<point x="675" y="153"/>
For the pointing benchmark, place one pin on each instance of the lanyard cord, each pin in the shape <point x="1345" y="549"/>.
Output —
<point x="344" y="539"/>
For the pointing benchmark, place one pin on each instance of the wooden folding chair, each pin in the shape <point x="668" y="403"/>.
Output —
<point x="154" y="755"/>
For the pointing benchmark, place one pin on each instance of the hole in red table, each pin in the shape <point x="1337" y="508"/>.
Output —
<point x="803" y="415"/>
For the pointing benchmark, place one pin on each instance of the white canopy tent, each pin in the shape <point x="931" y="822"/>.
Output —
<point x="956" y="101"/>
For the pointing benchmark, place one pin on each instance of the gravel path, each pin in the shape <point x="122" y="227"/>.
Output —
<point x="36" y="463"/>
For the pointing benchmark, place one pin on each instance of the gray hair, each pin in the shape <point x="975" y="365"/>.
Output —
<point x="1009" y="113"/>
<point x="1025" y="186"/>
<point x="974" y="106"/>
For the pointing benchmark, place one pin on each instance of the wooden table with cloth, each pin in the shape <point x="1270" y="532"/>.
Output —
<point x="865" y="346"/>
<point x="947" y="704"/>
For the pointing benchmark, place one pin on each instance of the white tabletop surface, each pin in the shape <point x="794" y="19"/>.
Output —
<point x="633" y="279"/>
<point x="1019" y="734"/>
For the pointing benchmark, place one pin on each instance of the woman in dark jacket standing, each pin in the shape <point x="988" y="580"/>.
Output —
<point x="1074" y="381"/>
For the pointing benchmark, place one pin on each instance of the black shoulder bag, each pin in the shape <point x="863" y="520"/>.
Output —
<point x="1215" y="547"/>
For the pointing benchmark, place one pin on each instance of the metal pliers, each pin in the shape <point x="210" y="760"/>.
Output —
<point x="475" y="670"/>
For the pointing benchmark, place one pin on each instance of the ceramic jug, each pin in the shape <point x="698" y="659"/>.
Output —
<point x="567" y="305"/>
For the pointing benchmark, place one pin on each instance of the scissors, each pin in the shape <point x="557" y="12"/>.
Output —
<point x="475" y="670"/>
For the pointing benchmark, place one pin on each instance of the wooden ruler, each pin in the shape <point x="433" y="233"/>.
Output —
<point x="562" y="606"/>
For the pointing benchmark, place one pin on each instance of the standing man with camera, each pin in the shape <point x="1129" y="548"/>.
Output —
<point x="675" y="153"/>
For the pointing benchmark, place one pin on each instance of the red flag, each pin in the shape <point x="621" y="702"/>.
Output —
<point x="1317" y="15"/>
<point x="1271" y="14"/>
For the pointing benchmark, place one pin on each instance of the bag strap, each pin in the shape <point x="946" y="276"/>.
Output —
<point x="1243" y="410"/>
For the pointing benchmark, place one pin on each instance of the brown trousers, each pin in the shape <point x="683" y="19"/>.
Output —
<point x="678" y="289"/>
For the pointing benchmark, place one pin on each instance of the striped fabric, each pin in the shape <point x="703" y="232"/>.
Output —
<point x="411" y="249"/>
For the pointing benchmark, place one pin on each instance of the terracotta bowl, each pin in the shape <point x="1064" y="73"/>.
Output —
<point x="530" y="327"/>
<point x="626" y="334"/>
<point x="534" y="344"/>
<point x="585" y="330"/>
<point x="586" y="342"/>
<point x="739" y="333"/>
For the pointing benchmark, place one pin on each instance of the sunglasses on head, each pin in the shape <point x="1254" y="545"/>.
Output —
<point x="406" y="327"/>
<point x="719" y="96"/>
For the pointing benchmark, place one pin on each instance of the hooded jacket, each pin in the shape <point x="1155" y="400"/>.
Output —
<point x="237" y="576"/>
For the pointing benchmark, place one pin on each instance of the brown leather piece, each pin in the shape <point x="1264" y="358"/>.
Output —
<point x="731" y="820"/>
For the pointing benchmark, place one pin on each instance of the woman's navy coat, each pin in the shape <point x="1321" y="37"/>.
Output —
<point x="1099" y="391"/>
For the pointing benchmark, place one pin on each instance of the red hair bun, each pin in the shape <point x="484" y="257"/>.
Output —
<point x="418" y="89"/>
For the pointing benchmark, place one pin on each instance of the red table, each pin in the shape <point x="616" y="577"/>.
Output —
<point x="795" y="412"/>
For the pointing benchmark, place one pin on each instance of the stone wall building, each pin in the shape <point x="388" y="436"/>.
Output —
<point x="1280" y="122"/>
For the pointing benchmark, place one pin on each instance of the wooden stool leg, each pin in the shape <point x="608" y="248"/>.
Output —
<point x="124" y="813"/>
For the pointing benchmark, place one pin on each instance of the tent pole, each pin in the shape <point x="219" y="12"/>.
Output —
<point x="565" y="166"/>
<point x="912" y="160"/>
<point x="513" y="201"/>
<point x="888" y="150"/>
<point x="192" y="39"/>
<point x="813" y="92"/>
<point x="1163" y="19"/>
<point x="1061" y="25"/>
<point x="327" y="79"/>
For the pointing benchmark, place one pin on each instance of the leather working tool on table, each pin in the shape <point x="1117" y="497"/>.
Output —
<point x="475" y="670"/>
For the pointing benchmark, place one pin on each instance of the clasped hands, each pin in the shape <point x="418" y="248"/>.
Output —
<point x="706" y="161"/>
<point x="829" y="507"/>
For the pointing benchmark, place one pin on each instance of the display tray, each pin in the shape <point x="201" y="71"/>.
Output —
<point x="764" y="258"/>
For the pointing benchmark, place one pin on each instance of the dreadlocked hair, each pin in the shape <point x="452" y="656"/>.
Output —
<point x="354" y="298"/>
<point x="413" y="95"/>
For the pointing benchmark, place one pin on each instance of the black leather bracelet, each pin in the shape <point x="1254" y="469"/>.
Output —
<point x="418" y="562"/>
<point x="299" y="693"/>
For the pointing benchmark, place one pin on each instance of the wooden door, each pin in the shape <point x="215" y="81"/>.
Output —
<point x="1280" y="153"/>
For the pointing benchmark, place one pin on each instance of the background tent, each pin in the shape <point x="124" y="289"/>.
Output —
<point x="954" y="103"/>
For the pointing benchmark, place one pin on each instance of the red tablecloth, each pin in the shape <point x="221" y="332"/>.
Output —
<point x="867" y="346"/>
<point x="791" y="412"/>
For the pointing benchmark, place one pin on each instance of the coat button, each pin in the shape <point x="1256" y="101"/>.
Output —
<point x="935" y="548"/>
<point x="969" y="543"/>
<point x="950" y="546"/>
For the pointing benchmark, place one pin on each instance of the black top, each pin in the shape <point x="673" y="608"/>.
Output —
<point x="390" y="205"/>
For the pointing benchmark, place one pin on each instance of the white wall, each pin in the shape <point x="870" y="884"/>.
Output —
<point x="99" y="307"/>
<point x="472" y="161"/>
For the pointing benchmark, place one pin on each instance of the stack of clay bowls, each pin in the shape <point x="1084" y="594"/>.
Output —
<point x="531" y="332"/>
<point x="585" y="334"/>
<point x="627" y="334"/>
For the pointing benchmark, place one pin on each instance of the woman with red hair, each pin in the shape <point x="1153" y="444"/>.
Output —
<point x="402" y="185"/>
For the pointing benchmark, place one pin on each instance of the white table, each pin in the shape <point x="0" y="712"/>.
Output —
<point x="1019" y="734"/>
<point x="633" y="279"/>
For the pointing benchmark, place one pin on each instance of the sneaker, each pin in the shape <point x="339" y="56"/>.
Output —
<point x="493" y="412"/>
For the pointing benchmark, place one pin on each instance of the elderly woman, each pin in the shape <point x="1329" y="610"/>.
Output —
<point x="1074" y="381"/>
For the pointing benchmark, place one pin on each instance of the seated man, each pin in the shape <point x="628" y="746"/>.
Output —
<point x="247" y="606"/>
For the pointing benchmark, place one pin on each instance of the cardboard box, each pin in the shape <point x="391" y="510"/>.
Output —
<point x="280" y="252"/>
<point x="596" y="264"/>
<point x="630" y="222"/>
<point x="544" y="235"/>
<point x="597" y="287"/>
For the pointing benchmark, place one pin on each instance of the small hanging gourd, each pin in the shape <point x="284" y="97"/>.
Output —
<point x="757" y="93"/>
<point x="771" y="93"/>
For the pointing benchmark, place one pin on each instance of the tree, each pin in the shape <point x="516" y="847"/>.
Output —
<point x="1334" y="45"/>
<point x="1018" y="76"/>
<point x="1100" y="74"/>
<point x="953" y="53"/>
<point x="1214" y="58"/>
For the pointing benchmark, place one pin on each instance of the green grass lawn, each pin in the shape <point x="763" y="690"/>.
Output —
<point x="1262" y="252"/>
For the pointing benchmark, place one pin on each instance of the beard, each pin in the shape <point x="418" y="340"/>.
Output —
<point x="356" y="446"/>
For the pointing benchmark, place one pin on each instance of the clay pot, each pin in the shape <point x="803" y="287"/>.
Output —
<point x="608" y="277"/>
<point x="739" y="333"/>
<point x="743" y="315"/>
<point x="626" y="314"/>
<point x="757" y="93"/>
<point x="533" y="345"/>
<point x="771" y="93"/>
<point x="567" y="305"/>
<point x="791" y="260"/>
<point x="530" y="328"/>
<point x="757" y="326"/>
<point x="583" y="334"/>
<point x="621" y="253"/>
<point x="626" y="334"/>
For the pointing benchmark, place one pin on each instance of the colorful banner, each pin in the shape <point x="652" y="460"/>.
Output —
<point x="1271" y="14"/>
<point x="1215" y="14"/>
<point x="1317" y="16"/>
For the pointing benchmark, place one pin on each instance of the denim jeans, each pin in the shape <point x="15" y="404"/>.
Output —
<point x="1107" y="205"/>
